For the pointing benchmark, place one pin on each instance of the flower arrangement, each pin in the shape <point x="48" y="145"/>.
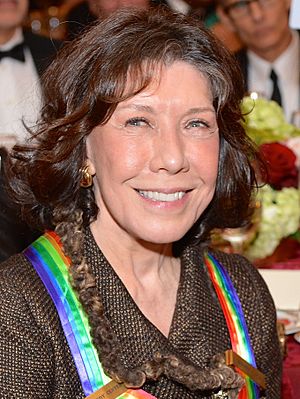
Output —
<point x="279" y="145"/>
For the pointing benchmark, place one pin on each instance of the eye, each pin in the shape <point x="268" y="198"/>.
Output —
<point x="200" y="128"/>
<point x="196" y="123"/>
<point x="137" y="122"/>
<point x="240" y="5"/>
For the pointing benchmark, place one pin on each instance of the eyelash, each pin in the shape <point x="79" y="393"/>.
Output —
<point x="136" y="121"/>
<point x="198" y="122"/>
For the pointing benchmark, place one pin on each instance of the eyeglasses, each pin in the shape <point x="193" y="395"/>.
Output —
<point x="241" y="8"/>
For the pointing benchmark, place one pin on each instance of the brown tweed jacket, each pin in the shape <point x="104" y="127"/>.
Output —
<point x="35" y="361"/>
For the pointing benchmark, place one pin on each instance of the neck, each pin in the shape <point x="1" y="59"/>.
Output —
<point x="134" y="258"/>
<point x="6" y="35"/>
<point x="149" y="272"/>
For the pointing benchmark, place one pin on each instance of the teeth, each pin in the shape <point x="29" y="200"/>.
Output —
<point x="156" y="196"/>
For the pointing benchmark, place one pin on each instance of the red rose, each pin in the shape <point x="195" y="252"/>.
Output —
<point x="281" y="165"/>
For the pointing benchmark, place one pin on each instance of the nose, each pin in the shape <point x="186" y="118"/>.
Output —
<point x="256" y="10"/>
<point x="169" y="153"/>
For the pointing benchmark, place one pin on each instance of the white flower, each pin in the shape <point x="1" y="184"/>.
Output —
<point x="280" y="217"/>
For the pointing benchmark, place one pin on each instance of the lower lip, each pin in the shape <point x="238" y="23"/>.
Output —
<point x="166" y="204"/>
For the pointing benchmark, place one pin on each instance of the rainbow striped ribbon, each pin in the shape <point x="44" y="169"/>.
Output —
<point x="51" y="264"/>
<point x="235" y="320"/>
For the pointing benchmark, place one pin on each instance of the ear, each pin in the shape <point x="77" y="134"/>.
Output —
<point x="224" y="18"/>
<point x="91" y="167"/>
<point x="89" y="160"/>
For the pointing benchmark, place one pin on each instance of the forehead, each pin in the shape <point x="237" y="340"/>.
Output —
<point x="150" y="76"/>
<point x="179" y="80"/>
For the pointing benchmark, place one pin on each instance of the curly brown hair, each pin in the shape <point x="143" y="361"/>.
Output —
<point x="84" y="85"/>
<point x="82" y="88"/>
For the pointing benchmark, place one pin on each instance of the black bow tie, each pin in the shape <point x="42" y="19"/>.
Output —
<point x="16" y="52"/>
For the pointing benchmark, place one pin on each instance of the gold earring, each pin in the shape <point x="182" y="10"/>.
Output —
<point x="86" y="178"/>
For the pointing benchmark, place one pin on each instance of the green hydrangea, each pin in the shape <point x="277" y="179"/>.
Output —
<point x="280" y="217"/>
<point x="265" y="121"/>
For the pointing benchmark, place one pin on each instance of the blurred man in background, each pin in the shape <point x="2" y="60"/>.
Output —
<point x="86" y="12"/>
<point x="83" y="13"/>
<point x="23" y="58"/>
<point x="270" y="60"/>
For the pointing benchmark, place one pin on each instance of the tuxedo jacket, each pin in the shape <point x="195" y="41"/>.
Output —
<point x="43" y="49"/>
<point x="15" y="234"/>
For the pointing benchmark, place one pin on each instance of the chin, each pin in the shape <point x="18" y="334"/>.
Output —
<point x="164" y="237"/>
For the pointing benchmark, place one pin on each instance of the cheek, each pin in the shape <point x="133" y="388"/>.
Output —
<point x="117" y="158"/>
<point x="129" y="154"/>
<point x="206" y="160"/>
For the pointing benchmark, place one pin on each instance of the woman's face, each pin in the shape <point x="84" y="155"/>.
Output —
<point x="155" y="161"/>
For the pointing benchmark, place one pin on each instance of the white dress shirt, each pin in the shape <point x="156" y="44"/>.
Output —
<point x="20" y="93"/>
<point x="287" y="68"/>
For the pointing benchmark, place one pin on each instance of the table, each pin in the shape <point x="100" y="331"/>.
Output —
<point x="287" y="256"/>
<point x="291" y="371"/>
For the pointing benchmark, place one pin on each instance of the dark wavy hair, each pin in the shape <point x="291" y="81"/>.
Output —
<point x="82" y="88"/>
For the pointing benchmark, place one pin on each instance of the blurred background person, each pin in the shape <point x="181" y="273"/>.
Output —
<point x="23" y="58"/>
<point x="87" y="12"/>
<point x="270" y="60"/>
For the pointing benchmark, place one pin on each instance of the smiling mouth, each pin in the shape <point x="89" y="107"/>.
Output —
<point x="162" y="197"/>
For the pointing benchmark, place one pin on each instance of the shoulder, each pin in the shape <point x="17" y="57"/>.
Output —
<point x="34" y="39"/>
<point x="15" y="270"/>
<point x="23" y="297"/>
<point x="251" y="288"/>
<point x="254" y="296"/>
<point x="260" y="316"/>
<point x="43" y="49"/>
<point x="244" y="275"/>
<point x="33" y="348"/>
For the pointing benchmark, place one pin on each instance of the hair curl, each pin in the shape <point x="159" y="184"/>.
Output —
<point x="82" y="88"/>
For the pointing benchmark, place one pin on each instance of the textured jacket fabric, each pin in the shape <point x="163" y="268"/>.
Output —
<point x="35" y="361"/>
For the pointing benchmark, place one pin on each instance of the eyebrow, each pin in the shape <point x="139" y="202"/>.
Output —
<point x="149" y="109"/>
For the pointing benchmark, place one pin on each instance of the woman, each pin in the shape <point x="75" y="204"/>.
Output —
<point x="138" y="155"/>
